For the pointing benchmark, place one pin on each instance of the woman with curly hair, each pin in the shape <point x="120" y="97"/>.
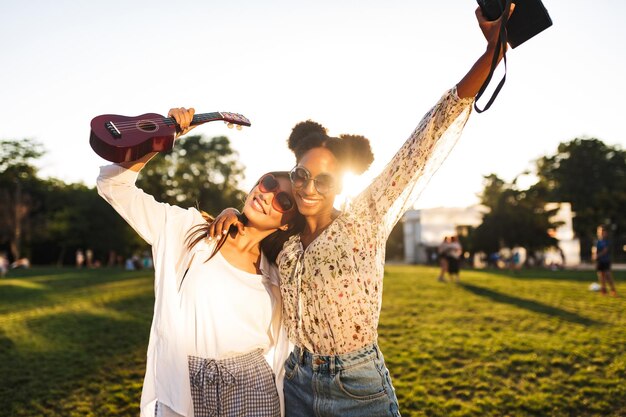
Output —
<point x="331" y="274"/>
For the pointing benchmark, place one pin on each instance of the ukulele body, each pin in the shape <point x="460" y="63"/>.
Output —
<point x="121" y="138"/>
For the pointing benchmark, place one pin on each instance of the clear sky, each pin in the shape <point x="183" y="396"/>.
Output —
<point x="361" y="67"/>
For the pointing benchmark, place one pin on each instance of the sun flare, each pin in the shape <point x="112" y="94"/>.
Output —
<point x="352" y="185"/>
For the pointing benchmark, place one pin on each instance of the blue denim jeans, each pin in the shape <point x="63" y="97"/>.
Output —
<point x="349" y="385"/>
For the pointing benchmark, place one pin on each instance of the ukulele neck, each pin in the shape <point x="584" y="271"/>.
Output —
<point x="198" y="119"/>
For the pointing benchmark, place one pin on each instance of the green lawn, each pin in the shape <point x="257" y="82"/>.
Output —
<point x="72" y="343"/>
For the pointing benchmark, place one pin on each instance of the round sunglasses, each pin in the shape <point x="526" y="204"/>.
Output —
<point x="282" y="201"/>
<point x="300" y="177"/>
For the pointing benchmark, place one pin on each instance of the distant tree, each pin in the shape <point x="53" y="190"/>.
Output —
<point x="74" y="216"/>
<point x="18" y="177"/>
<point x="200" y="172"/>
<point x="514" y="218"/>
<point x="465" y="234"/>
<point x="47" y="219"/>
<point x="16" y="156"/>
<point x="592" y="177"/>
<point x="395" y="243"/>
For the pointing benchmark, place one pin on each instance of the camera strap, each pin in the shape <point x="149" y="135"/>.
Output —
<point x="500" y="48"/>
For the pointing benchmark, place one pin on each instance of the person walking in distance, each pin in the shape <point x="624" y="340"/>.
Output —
<point x="442" y="254"/>
<point x="454" y="253"/>
<point x="601" y="253"/>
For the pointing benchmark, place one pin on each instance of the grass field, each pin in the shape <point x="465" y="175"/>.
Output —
<point x="73" y="343"/>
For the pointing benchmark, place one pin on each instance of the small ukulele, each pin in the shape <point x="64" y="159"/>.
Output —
<point x="122" y="139"/>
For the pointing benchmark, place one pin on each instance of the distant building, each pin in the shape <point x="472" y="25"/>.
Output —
<point x="568" y="243"/>
<point x="425" y="229"/>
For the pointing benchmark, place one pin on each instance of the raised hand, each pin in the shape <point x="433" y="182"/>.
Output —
<point x="183" y="118"/>
<point x="491" y="28"/>
<point x="476" y="76"/>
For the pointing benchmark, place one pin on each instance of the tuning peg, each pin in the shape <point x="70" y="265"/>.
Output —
<point x="239" y="127"/>
<point x="230" y="125"/>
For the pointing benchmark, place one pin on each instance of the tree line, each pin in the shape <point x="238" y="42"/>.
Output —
<point x="585" y="172"/>
<point x="47" y="220"/>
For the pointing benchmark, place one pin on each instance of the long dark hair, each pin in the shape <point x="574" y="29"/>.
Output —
<point x="271" y="245"/>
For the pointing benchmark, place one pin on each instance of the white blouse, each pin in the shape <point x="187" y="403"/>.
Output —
<point x="332" y="291"/>
<point x="207" y="309"/>
<point x="227" y="311"/>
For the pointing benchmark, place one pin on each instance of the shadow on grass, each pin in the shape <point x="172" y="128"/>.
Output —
<point x="60" y="353"/>
<point x="6" y="344"/>
<point x="571" y="275"/>
<point x="65" y="277"/>
<point x="37" y="286"/>
<point x="10" y="291"/>
<point x="529" y="305"/>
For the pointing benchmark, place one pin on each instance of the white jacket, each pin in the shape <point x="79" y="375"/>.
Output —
<point x="164" y="227"/>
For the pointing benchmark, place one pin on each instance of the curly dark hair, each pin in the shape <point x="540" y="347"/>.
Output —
<point x="353" y="152"/>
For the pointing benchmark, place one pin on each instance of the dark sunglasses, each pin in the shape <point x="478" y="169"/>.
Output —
<point x="300" y="177"/>
<point x="282" y="201"/>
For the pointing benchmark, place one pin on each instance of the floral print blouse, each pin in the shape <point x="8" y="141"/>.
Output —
<point x="332" y="291"/>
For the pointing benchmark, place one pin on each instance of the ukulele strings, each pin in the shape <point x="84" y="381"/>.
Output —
<point x="160" y="122"/>
<point x="132" y="125"/>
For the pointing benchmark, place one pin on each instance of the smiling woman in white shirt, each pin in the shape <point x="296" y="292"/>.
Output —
<point x="216" y="346"/>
